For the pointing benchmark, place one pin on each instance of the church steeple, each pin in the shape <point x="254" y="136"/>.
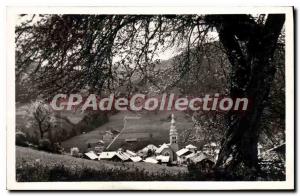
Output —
<point x="173" y="135"/>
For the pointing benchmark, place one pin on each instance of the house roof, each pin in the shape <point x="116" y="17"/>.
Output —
<point x="200" y="157"/>
<point x="151" y="160"/>
<point x="131" y="153"/>
<point x="163" y="159"/>
<point x="123" y="156"/>
<point x="91" y="155"/>
<point x="191" y="155"/>
<point x="109" y="132"/>
<point x="107" y="155"/>
<point x="136" y="159"/>
<point x="149" y="147"/>
<point x="190" y="146"/>
<point x="183" y="152"/>
<point x="162" y="147"/>
<point x="114" y="131"/>
<point x="101" y="141"/>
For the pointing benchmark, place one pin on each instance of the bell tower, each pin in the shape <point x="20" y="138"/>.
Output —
<point x="173" y="136"/>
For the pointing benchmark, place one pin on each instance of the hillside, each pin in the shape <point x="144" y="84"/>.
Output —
<point x="81" y="141"/>
<point x="33" y="165"/>
<point x="65" y="124"/>
<point x="151" y="128"/>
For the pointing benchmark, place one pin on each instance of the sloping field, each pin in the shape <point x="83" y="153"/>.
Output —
<point x="33" y="165"/>
<point x="151" y="128"/>
<point x="81" y="141"/>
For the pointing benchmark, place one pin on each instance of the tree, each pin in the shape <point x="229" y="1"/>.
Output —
<point x="42" y="117"/>
<point x="102" y="52"/>
<point x="250" y="47"/>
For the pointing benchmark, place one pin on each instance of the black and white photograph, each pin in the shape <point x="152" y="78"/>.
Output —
<point x="172" y="98"/>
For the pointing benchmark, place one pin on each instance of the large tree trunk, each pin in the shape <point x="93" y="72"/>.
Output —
<point x="250" y="47"/>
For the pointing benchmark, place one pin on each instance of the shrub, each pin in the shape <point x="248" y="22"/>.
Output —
<point x="45" y="144"/>
<point x="57" y="148"/>
<point x="21" y="139"/>
<point x="74" y="152"/>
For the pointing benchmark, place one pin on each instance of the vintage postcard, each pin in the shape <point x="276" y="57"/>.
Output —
<point x="150" y="98"/>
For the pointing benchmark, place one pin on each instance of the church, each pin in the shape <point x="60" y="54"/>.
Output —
<point x="172" y="147"/>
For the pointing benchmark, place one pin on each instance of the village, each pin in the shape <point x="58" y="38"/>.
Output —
<point x="167" y="154"/>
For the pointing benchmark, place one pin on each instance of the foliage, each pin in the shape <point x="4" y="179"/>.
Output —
<point x="42" y="116"/>
<point x="74" y="152"/>
<point x="102" y="51"/>
<point x="21" y="139"/>
<point x="45" y="144"/>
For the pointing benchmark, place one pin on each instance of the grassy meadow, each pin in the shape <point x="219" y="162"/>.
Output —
<point x="38" y="166"/>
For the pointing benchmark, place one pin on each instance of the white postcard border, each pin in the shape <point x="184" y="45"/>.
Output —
<point x="151" y="185"/>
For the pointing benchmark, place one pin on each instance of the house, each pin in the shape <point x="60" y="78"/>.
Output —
<point x="132" y="156"/>
<point x="91" y="155"/>
<point x="113" y="156"/>
<point x="205" y="165"/>
<point x="131" y="153"/>
<point x="107" y="155"/>
<point x="197" y="157"/>
<point x="98" y="149"/>
<point x="151" y="160"/>
<point x="191" y="148"/>
<point x="210" y="149"/>
<point x="108" y="136"/>
<point x="123" y="156"/>
<point x="171" y="148"/>
<point x="188" y="157"/>
<point x="96" y="145"/>
<point x="200" y="161"/>
<point x="136" y="159"/>
<point x="114" y="131"/>
<point x="181" y="155"/>
<point x="148" y="151"/>
<point x="163" y="159"/>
